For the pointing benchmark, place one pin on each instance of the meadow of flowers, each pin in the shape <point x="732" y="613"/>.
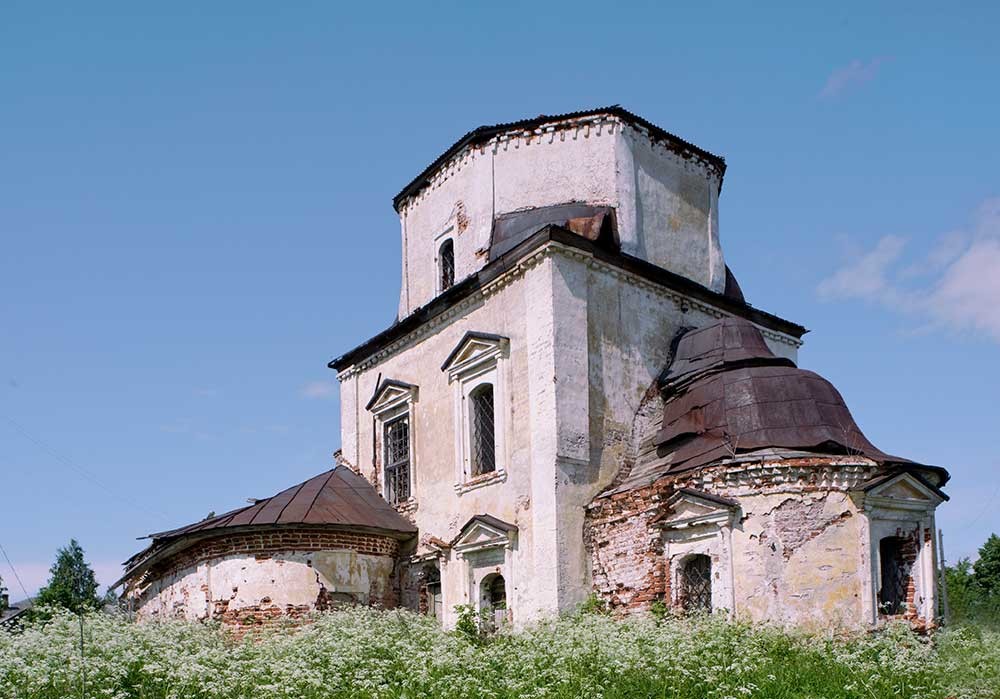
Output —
<point x="367" y="653"/>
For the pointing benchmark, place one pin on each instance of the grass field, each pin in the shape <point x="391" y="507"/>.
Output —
<point x="367" y="653"/>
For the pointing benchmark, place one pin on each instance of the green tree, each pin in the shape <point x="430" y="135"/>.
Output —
<point x="986" y="571"/>
<point x="72" y="584"/>
<point x="962" y="591"/>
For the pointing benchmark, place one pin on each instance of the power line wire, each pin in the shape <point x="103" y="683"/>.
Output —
<point x="16" y="576"/>
<point x="81" y="470"/>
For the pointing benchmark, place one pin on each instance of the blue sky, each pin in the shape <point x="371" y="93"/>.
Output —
<point x="195" y="216"/>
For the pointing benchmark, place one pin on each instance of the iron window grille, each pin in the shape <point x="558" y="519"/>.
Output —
<point x="446" y="264"/>
<point x="484" y="453"/>
<point x="397" y="460"/>
<point x="696" y="584"/>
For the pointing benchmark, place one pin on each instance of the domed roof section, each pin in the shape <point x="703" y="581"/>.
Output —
<point x="726" y="393"/>
<point x="725" y="343"/>
<point x="338" y="498"/>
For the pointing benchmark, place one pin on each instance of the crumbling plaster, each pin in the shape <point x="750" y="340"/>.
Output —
<point x="285" y="583"/>
<point x="800" y="549"/>
<point x="586" y="341"/>
<point x="667" y="206"/>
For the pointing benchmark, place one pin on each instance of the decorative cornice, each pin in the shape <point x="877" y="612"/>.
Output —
<point x="518" y="270"/>
<point x="592" y="122"/>
<point x="595" y="126"/>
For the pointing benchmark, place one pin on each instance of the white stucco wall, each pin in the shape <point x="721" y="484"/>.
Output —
<point x="667" y="206"/>
<point x="586" y="341"/>
<point x="225" y="585"/>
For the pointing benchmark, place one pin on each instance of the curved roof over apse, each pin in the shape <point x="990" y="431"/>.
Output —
<point x="338" y="497"/>
<point x="726" y="394"/>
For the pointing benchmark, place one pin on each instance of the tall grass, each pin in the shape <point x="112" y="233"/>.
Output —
<point x="367" y="653"/>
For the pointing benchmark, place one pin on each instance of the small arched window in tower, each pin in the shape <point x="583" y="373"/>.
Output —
<point x="446" y="265"/>
<point x="695" y="594"/>
<point x="895" y="569"/>
<point x="484" y="451"/>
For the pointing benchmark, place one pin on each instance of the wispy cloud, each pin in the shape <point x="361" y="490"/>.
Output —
<point x="954" y="286"/>
<point x="317" y="389"/>
<point x="187" y="428"/>
<point x="855" y="73"/>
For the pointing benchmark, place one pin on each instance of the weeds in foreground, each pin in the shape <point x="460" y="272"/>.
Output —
<point x="393" y="654"/>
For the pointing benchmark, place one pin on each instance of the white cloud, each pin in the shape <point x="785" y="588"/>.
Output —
<point x="955" y="286"/>
<point x="317" y="389"/>
<point x="865" y="277"/>
<point x="857" y="72"/>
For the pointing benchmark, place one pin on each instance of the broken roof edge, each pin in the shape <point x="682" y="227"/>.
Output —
<point x="771" y="455"/>
<point x="166" y="548"/>
<point x="483" y="134"/>
<point x="563" y="236"/>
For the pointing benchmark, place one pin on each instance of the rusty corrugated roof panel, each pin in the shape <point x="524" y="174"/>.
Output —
<point x="337" y="496"/>
<point x="726" y="394"/>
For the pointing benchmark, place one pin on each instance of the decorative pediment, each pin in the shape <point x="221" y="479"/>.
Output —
<point x="903" y="490"/>
<point x="472" y="349"/>
<point x="688" y="507"/>
<point x="484" y="532"/>
<point x="391" y="394"/>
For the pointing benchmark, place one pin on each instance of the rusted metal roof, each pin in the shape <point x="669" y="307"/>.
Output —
<point x="726" y="394"/>
<point x="338" y="497"/>
<point x="483" y="134"/>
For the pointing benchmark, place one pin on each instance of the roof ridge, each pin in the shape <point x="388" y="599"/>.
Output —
<point x="486" y="131"/>
<point x="298" y="489"/>
<point x="318" y="491"/>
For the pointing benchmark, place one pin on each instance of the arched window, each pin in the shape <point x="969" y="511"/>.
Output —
<point x="695" y="594"/>
<point x="895" y="571"/>
<point x="396" y="436"/>
<point x="493" y="601"/>
<point x="484" y="452"/>
<point x="446" y="265"/>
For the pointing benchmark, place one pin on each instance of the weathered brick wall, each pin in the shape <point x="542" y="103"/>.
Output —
<point x="627" y="552"/>
<point x="796" y="507"/>
<point x="261" y="544"/>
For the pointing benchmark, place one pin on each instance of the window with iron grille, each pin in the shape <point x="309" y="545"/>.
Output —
<point x="484" y="453"/>
<point x="895" y="575"/>
<point x="446" y="265"/>
<point x="696" y="584"/>
<point x="397" y="460"/>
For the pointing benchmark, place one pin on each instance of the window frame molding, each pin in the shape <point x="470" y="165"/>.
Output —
<point x="901" y="504"/>
<point x="439" y="240"/>
<point x="392" y="400"/>
<point x="479" y="358"/>
<point x="694" y="522"/>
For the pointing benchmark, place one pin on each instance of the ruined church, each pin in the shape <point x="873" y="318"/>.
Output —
<point x="575" y="399"/>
